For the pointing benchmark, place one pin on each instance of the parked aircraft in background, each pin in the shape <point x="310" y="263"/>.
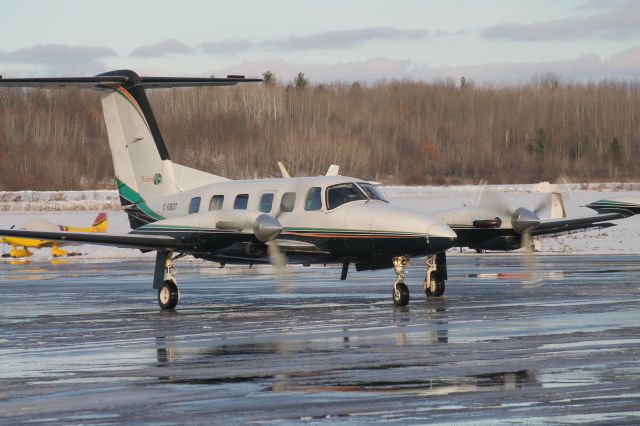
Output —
<point x="21" y="246"/>
<point x="175" y="210"/>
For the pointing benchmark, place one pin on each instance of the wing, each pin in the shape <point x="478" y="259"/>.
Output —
<point x="142" y="242"/>
<point x="555" y="226"/>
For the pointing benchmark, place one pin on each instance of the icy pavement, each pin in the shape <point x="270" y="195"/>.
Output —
<point x="84" y="343"/>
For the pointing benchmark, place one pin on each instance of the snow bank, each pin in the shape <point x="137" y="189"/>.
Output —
<point x="79" y="208"/>
<point x="12" y="201"/>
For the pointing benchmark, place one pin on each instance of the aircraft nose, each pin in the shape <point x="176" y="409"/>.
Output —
<point x="441" y="237"/>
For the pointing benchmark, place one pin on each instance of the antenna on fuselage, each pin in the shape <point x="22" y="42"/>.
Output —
<point x="333" y="170"/>
<point x="283" y="170"/>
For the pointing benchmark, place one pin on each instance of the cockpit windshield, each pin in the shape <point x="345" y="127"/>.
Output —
<point x="372" y="191"/>
<point x="343" y="193"/>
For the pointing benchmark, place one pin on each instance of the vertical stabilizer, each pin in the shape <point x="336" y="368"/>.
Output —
<point x="143" y="168"/>
<point x="140" y="158"/>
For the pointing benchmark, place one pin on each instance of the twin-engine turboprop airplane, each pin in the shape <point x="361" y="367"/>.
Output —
<point x="175" y="210"/>
<point x="100" y="224"/>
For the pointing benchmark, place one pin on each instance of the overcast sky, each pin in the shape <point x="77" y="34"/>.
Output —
<point x="500" y="41"/>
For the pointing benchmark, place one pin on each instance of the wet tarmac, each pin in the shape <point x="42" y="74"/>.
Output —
<point x="85" y="343"/>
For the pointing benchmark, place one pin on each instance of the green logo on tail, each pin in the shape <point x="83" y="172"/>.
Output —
<point x="157" y="179"/>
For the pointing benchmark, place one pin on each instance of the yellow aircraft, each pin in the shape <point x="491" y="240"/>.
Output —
<point x="100" y="224"/>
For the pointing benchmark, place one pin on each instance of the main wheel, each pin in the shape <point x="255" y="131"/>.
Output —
<point x="400" y="294"/>
<point x="435" y="288"/>
<point x="168" y="295"/>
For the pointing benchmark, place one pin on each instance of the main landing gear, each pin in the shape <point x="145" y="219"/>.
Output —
<point x="434" y="281"/>
<point x="164" y="280"/>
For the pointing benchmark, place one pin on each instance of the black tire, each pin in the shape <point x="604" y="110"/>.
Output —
<point x="168" y="295"/>
<point x="438" y="291"/>
<point x="400" y="294"/>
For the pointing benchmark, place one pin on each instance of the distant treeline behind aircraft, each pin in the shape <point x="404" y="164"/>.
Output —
<point x="397" y="132"/>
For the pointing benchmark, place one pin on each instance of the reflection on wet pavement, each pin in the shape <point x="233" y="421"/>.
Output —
<point x="85" y="343"/>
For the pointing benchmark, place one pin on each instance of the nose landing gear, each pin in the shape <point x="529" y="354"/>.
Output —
<point x="400" y="290"/>
<point x="434" y="281"/>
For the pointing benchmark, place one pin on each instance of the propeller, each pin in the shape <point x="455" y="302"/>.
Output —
<point x="266" y="229"/>
<point x="523" y="221"/>
<point x="279" y="261"/>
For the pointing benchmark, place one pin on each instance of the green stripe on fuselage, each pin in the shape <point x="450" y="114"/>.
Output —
<point x="126" y="192"/>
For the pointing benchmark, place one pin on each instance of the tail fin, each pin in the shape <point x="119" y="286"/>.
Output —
<point x="557" y="206"/>
<point x="144" y="170"/>
<point x="141" y="159"/>
<point x="101" y="222"/>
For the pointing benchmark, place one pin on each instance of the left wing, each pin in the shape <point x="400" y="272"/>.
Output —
<point x="142" y="242"/>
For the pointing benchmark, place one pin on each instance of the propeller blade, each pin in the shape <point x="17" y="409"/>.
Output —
<point x="276" y="257"/>
<point x="264" y="227"/>
<point x="530" y="261"/>
<point x="493" y="202"/>
<point x="544" y="204"/>
<point x="279" y="261"/>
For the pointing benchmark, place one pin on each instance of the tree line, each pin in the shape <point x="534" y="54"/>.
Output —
<point x="396" y="132"/>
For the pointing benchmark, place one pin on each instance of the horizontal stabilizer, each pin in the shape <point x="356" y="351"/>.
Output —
<point x="122" y="78"/>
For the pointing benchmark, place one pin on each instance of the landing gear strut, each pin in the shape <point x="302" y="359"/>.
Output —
<point x="400" y="290"/>
<point x="164" y="281"/>
<point x="436" y="275"/>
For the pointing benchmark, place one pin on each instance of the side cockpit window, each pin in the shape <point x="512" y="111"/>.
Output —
<point x="343" y="193"/>
<point x="372" y="191"/>
<point x="313" y="201"/>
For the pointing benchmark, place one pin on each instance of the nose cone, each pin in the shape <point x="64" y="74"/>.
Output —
<point x="266" y="228"/>
<point x="524" y="219"/>
<point x="441" y="237"/>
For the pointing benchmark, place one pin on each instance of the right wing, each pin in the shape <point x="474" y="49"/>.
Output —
<point x="556" y="226"/>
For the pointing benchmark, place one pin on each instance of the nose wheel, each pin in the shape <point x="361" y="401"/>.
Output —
<point x="400" y="294"/>
<point x="400" y="291"/>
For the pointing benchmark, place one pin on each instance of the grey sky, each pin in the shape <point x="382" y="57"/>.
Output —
<point x="491" y="40"/>
<point x="164" y="48"/>
<point x="617" y="20"/>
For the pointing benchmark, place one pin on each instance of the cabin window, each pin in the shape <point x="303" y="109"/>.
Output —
<point x="343" y="193"/>
<point x="288" y="202"/>
<point x="241" y="202"/>
<point x="216" y="202"/>
<point x="266" y="203"/>
<point x="194" y="205"/>
<point x="314" y="199"/>
<point x="372" y="192"/>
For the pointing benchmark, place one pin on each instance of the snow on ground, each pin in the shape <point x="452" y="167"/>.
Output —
<point x="79" y="208"/>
